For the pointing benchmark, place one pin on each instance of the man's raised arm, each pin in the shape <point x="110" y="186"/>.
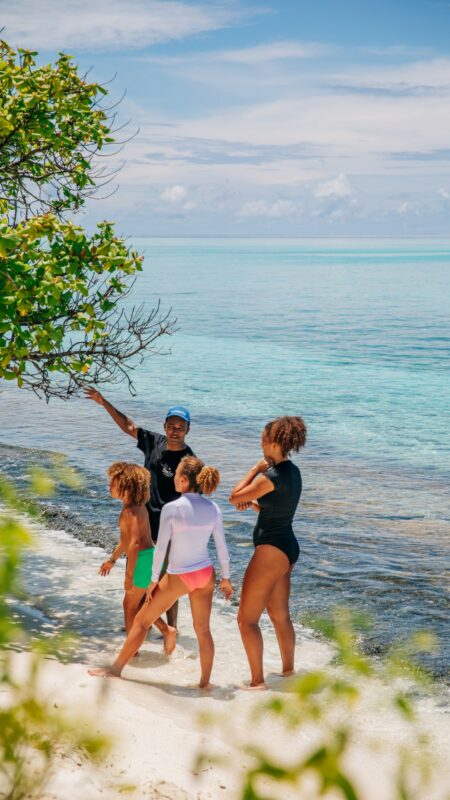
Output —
<point x="125" y="423"/>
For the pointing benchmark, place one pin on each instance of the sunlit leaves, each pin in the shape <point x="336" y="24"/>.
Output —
<point x="51" y="125"/>
<point x="324" y="701"/>
<point x="33" y="731"/>
<point x="47" y="289"/>
<point x="329" y="715"/>
<point x="60" y="289"/>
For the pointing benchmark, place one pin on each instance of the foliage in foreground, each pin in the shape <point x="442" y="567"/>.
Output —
<point x="333" y="713"/>
<point x="33" y="732"/>
<point x="60" y="289"/>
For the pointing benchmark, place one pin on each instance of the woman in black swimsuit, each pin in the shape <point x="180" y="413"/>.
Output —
<point x="273" y="488"/>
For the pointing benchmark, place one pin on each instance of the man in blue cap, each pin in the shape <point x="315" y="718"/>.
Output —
<point x="162" y="454"/>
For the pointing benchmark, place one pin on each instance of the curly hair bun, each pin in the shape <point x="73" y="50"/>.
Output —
<point x="208" y="480"/>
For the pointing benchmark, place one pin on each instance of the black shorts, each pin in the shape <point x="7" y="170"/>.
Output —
<point x="287" y="544"/>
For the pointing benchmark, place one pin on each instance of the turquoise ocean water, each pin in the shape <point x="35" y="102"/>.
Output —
<point x="354" y="335"/>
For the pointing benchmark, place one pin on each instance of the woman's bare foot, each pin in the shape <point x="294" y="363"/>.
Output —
<point x="253" y="687"/>
<point x="104" y="672"/>
<point x="287" y="673"/>
<point x="170" y="640"/>
<point x="205" y="685"/>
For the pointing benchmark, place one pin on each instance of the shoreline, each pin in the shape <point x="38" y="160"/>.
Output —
<point x="371" y="557"/>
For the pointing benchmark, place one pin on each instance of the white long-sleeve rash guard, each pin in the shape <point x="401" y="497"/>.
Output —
<point x="187" y="523"/>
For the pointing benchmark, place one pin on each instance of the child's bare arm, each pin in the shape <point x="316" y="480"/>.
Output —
<point x="107" y="565"/>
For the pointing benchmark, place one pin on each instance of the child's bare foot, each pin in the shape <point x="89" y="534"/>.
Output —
<point x="253" y="687"/>
<point x="104" y="672"/>
<point x="170" y="640"/>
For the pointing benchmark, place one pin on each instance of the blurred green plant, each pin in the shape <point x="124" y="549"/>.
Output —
<point x="330" y="711"/>
<point x="61" y="289"/>
<point x="33" y="732"/>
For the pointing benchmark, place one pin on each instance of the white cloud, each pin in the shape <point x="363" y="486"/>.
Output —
<point x="334" y="125"/>
<point x="288" y="149"/>
<point x="251" y="56"/>
<point x="106" y="24"/>
<point x="263" y="208"/>
<point x="176" y="198"/>
<point x="274" y="51"/>
<point x="174" y="195"/>
<point x="397" y="51"/>
<point x="433" y="73"/>
<point x="336" y="187"/>
<point x="253" y="208"/>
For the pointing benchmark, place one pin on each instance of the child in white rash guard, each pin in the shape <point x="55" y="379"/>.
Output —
<point x="188" y="524"/>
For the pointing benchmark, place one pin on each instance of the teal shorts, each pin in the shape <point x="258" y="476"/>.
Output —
<point x="142" y="574"/>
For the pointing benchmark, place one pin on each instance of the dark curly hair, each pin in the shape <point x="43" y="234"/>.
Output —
<point x="132" y="481"/>
<point x="202" y="479"/>
<point x="288" y="432"/>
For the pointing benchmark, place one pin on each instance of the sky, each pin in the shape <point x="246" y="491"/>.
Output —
<point x="319" y="118"/>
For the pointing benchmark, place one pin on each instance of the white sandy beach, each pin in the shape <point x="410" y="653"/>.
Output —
<point x="154" y="713"/>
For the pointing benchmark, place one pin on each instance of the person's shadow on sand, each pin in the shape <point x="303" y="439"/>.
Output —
<point x="149" y="659"/>
<point x="183" y="640"/>
<point x="216" y="692"/>
<point x="283" y="683"/>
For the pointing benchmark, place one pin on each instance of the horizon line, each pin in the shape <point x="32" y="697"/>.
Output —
<point x="287" y="236"/>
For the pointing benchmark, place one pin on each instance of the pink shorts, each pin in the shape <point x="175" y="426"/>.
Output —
<point x="197" y="579"/>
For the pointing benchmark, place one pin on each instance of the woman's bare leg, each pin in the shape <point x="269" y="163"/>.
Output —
<point x="201" y="602"/>
<point x="168" y="590"/>
<point x="163" y="627"/>
<point x="267" y="565"/>
<point x="278" y="611"/>
<point x="168" y="631"/>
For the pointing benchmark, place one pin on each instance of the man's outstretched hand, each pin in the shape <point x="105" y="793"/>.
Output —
<point x="93" y="394"/>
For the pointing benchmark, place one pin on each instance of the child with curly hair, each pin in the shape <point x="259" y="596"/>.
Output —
<point x="130" y="483"/>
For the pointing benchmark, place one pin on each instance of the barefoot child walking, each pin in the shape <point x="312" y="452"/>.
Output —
<point x="130" y="483"/>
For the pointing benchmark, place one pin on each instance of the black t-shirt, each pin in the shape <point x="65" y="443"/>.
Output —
<point x="161" y="464"/>
<point x="278" y="507"/>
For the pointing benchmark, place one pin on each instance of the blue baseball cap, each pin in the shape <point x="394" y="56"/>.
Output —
<point x="179" y="411"/>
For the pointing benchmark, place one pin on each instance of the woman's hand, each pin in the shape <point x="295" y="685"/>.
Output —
<point x="128" y="584"/>
<point x="226" y="588"/>
<point x="262" y="465"/>
<point x="243" y="506"/>
<point x="151" y="588"/>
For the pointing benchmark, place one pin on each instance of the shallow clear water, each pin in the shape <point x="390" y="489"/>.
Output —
<point x="354" y="335"/>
